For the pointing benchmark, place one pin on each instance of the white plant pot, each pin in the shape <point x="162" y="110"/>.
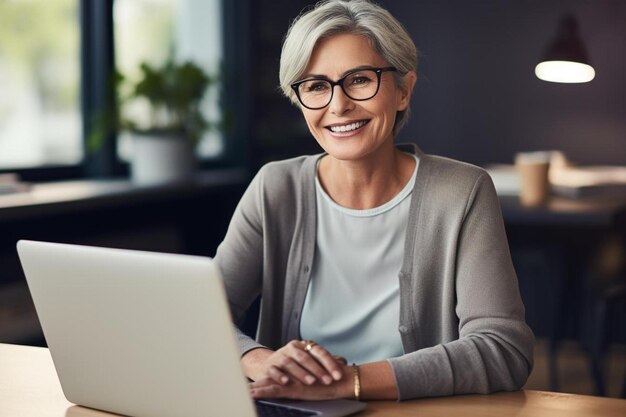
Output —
<point x="160" y="159"/>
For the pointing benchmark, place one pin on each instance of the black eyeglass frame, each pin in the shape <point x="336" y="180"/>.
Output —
<point x="295" y="86"/>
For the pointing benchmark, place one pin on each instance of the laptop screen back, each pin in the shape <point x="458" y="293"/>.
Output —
<point x="137" y="333"/>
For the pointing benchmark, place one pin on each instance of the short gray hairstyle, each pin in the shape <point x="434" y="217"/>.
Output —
<point x="360" y="17"/>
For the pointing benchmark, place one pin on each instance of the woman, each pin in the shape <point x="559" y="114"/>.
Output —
<point x="390" y="259"/>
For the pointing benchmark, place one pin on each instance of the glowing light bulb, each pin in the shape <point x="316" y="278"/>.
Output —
<point x="565" y="72"/>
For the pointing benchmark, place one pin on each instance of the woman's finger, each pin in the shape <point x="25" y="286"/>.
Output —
<point x="308" y="361"/>
<point x="277" y="375"/>
<point x="265" y="389"/>
<point x="331" y="366"/>
<point x="294" y="367"/>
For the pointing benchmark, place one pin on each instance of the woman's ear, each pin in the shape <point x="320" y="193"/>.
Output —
<point x="410" y="78"/>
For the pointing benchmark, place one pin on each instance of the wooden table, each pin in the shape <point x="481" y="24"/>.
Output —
<point x="29" y="387"/>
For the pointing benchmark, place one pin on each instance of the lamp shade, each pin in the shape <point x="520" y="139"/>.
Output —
<point x="566" y="59"/>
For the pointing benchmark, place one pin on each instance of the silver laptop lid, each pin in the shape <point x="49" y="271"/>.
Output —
<point x="125" y="335"/>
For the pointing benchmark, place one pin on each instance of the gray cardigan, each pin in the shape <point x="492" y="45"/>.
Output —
<point x="461" y="316"/>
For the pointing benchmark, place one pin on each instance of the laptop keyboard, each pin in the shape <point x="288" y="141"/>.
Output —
<point x="271" y="410"/>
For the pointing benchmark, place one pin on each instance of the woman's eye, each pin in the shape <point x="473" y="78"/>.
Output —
<point x="316" y="87"/>
<point x="359" y="80"/>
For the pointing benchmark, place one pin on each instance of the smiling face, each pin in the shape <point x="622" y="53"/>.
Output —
<point x="347" y="129"/>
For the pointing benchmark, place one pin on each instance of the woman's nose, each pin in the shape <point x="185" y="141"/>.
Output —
<point x="340" y="102"/>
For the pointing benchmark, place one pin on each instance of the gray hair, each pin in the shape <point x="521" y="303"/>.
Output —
<point x="360" y="17"/>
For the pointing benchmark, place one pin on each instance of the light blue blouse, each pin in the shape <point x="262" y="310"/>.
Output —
<point x="352" y="305"/>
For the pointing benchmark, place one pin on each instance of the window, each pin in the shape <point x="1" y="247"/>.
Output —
<point x="40" y="120"/>
<point x="185" y="30"/>
<point x="50" y="50"/>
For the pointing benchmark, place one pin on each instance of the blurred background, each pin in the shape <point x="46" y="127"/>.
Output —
<point x="477" y="100"/>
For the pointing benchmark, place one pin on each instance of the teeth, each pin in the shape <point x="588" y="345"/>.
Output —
<point x="347" y="128"/>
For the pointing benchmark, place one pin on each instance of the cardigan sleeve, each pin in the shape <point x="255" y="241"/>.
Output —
<point x="240" y="258"/>
<point x="494" y="350"/>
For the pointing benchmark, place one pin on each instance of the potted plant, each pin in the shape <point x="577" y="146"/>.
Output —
<point x="165" y="133"/>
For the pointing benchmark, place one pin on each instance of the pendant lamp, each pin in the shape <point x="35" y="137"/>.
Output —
<point x="566" y="59"/>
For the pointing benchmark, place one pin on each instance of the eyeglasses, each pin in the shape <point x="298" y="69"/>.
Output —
<point x="360" y="85"/>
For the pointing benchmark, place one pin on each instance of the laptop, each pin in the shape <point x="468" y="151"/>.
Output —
<point x="144" y="334"/>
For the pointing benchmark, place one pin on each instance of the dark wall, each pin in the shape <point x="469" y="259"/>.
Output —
<point x="477" y="98"/>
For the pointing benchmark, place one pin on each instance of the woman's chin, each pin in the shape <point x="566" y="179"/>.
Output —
<point x="346" y="152"/>
<point x="351" y="148"/>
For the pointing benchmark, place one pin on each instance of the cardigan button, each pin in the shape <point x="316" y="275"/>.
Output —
<point x="403" y="329"/>
<point x="306" y="269"/>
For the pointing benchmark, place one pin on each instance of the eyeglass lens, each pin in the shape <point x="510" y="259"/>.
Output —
<point x="361" y="85"/>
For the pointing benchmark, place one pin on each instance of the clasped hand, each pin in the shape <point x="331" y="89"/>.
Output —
<point x="298" y="370"/>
